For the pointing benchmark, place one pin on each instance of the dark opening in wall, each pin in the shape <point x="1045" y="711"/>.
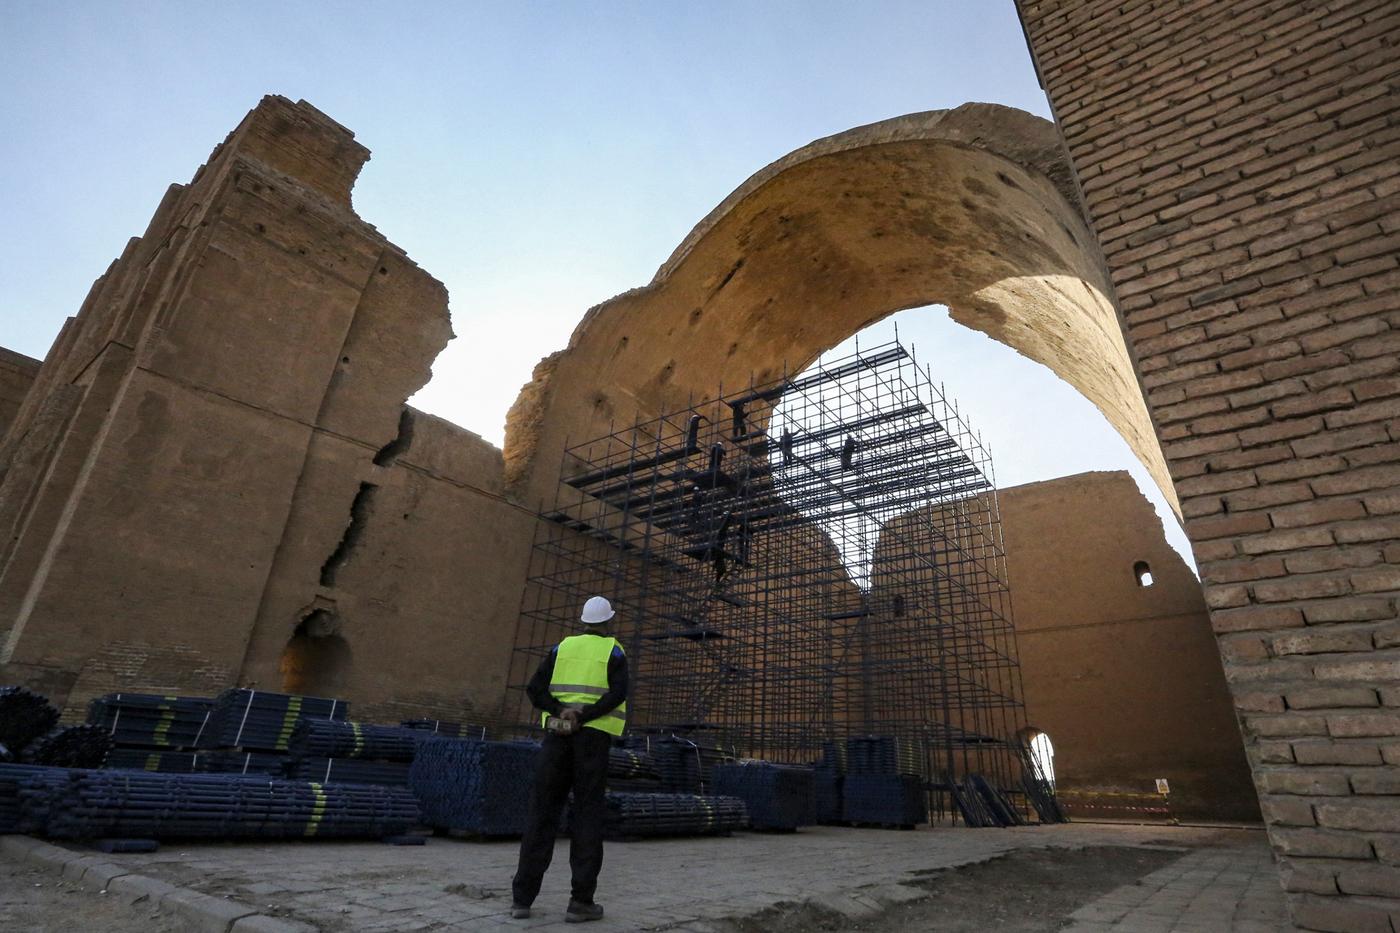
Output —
<point x="316" y="658"/>
<point x="1142" y="573"/>
<point x="360" y="510"/>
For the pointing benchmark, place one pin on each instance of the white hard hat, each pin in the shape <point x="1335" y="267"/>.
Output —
<point x="596" y="610"/>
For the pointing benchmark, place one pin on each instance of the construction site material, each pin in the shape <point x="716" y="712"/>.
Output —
<point x="233" y="761"/>
<point x="777" y="797"/>
<point x="798" y="562"/>
<point x="138" y="804"/>
<point x="473" y="786"/>
<point x="351" y="770"/>
<point x="147" y="759"/>
<point x="982" y="803"/>
<point x="631" y="815"/>
<point x="255" y="719"/>
<point x="83" y="746"/>
<point x="24" y="716"/>
<point x="11" y="778"/>
<point x="446" y="729"/>
<point x="631" y="764"/>
<point x="326" y="738"/>
<point x="150" y="720"/>
<point x="826" y="795"/>
<point x="882" y="754"/>
<point x="32" y="789"/>
<point x="884" y="800"/>
<point x="682" y="764"/>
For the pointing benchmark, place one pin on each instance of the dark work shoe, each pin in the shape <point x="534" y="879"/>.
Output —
<point x="519" y="911"/>
<point x="582" y="913"/>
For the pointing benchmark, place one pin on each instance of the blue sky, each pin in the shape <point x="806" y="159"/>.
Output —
<point x="537" y="157"/>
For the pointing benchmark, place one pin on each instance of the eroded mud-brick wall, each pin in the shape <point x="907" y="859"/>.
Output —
<point x="217" y="444"/>
<point x="1240" y="163"/>
<point x="1118" y="661"/>
<point x="17" y="373"/>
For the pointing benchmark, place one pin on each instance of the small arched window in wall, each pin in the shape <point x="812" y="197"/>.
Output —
<point x="1142" y="573"/>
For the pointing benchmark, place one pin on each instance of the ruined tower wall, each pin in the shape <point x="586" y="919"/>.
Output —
<point x="1125" y="679"/>
<point x="186" y="463"/>
<point x="1240" y="164"/>
<point x="17" y="373"/>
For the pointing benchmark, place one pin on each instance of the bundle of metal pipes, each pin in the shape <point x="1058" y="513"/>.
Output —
<point x="70" y="747"/>
<point x="24" y="716"/>
<point x="828" y="775"/>
<point x="445" y="729"/>
<point x="349" y="770"/>
<point x="34" y="791"/>
<point x="233" y="761"/>
<point x="151" y="720"/>
<point x="473" y="786"/>
<point x="256" y="719"/>
<point x="673" y="815"/>
<point x="326" y="738"/>
<point x="149" y="759"/>
<point x="136" y="804"/>
<point x="11" y="778"/>
<point x="777" y="797"/>
<point x="684" y="764"/>
<point x="884" y="800"/>
<point x="630" y="764"/>
<point x="981" y="803"/>
<point x="882" y="754"/>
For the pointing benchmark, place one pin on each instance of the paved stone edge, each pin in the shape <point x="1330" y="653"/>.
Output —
<point x="203" y="911"/>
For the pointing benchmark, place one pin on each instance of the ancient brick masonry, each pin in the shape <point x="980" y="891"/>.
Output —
<point x="1240" y="163"/>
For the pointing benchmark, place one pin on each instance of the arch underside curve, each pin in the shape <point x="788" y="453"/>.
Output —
<point x="973" y="208"/>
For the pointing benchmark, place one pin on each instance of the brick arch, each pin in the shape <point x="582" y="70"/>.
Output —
<point x="971" y="208"/>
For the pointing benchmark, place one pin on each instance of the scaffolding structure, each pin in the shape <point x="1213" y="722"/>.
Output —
<point x="795" y="564"/>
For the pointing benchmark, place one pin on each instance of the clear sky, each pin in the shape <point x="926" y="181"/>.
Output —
<point x="537" y="157"/>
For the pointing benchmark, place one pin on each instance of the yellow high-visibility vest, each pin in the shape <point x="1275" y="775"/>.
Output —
<point x="581" y="677"/>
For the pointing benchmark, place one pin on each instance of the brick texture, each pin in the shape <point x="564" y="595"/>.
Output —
<point x="1240" y="163"/>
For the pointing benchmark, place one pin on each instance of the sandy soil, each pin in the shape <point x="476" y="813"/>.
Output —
<point x="38" y="900"/>
<point x="1023" y="892"/>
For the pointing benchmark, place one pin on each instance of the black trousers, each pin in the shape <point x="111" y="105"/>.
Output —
<point x="579" y="763"/>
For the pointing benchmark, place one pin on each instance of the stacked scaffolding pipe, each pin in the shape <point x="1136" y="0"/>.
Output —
<point x="83" y="746"/>
<point x="256" y="719"/>
<point x="631" y="815"/>
<point x="326" y="738"/>
<point x="884" y="800"/>
<point x="24" y="716"/>
<point x="149" y="720"/>
<point x="445" y="729"/>
<point x="233" y="761"/>
<point x="473" y="786"/>
<point x="351" y="770"/>
<point x="777" y="797"/>
<point x="12" y="779"/>
<point x="148" y="759"/>
<point x="138" y="804"/>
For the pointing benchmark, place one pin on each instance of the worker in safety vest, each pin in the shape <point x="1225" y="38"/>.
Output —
<point x="581" y="690"/>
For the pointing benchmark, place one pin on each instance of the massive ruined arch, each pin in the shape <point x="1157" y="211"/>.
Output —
<point x="973" y="208"/>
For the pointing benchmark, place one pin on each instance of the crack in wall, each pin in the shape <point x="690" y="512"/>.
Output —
<point x="401" y="442"/>
<point x="360" y="510"/>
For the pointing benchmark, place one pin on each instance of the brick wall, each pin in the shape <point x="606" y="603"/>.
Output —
<point x="1240" y="162"/>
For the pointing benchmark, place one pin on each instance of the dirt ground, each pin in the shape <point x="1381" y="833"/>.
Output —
<point x="1023" y="892"/>
<point x="38" y="900"/>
